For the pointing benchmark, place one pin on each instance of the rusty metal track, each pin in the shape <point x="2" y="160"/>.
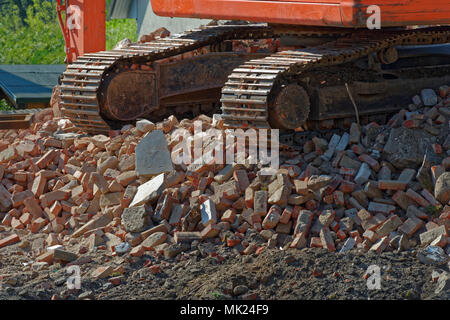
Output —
<point x="248" y="95"/>
<point x="81" y="82"/>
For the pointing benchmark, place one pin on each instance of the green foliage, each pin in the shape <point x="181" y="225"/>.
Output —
<point x="119" y="29"/>
<point x="19" y="5"/>
<point x="4" y="105"/>
<point x="30" y="32"/>
<point x="36" y="39"/>
<point x="433" y="211"/>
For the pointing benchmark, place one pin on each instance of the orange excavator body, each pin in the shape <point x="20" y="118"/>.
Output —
<point x="331" y="13"/>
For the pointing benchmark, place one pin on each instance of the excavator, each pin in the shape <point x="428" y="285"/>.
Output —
<point x="290" y="65"/>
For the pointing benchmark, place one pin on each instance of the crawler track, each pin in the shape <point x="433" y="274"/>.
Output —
<point x="81" y="83"/>
<point x="249" y="96"/>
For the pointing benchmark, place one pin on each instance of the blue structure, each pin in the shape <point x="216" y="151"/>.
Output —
<point x="22" y="85"/>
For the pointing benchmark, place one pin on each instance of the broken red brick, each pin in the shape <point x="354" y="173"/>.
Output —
<point x="12" y="239"/>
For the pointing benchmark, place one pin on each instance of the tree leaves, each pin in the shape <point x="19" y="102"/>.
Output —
<point x="36" y="38"/>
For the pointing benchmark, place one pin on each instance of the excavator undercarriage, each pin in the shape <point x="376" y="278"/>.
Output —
<point x="260" y="76"/>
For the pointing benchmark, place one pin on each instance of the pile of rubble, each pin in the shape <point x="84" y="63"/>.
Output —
<point x="377" y="187"/>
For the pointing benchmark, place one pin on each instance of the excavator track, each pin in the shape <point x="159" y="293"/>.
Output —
<point x="81" y="83"/>
<point x="264" y="93"/>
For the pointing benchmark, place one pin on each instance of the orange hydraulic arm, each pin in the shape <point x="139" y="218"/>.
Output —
<point x="83" y="26"/>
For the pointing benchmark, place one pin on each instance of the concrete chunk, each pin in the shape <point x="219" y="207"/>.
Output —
<point x="152" y="155"/>
<point x="149" y="191"/>
<point x="133" y="219"/>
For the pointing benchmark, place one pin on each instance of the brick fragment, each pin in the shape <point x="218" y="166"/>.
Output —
<point x="241" y="177"/>
<point x="33" y="207"/>
<point x="210" y="231"/>
<point x="370" y="161"/>
<point x="410" y="226"/>
<point x="380" y="245"/>
<point x="229" y="215"/>
<point x="326" y="239"/>
<point x="187" y="236"/>
<point x="402" y="200"/>
<point x="260" y="202"/>
<point x="303" y="223"/>
<point x="391" y="185"/>
<point x="430" y="198"/>
<point x="12" y="239"/>
<point x="417" y="198"/>
<point x="102" y="272"/>
<point x="430" y="235"/>
<point x="18" y="198"/>
<point x="48" y="157"/>
<point x="272" y="218"/>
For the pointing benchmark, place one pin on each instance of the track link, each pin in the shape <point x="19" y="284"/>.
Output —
<point x="81" y="82"/>
<point x="248" y="95"/>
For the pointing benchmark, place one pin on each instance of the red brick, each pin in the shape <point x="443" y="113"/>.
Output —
<point x="25" y="218"/>
<point x="46" y="257"/>
<point x="316" y="242"/>
<point x="39" y="185"/>
<point x="12" y="239"/>
<point x="33" y="207"/>
<point x="286" y="215"/>
<point x="370" y="161"/>
<point x="301" y="187"/>
<point x="380" y="245"/>
<point x="341" y="234"/>
<point x="102" y="272"/>
<point x="125" y="178"/>
<point x="249" y="197"/>
<point x="229" y="216"/>
<point x="272" y="218"/>
<point x="410" y="226"/>
<point x="370" y="235"/>
<point x="299" y="241"/>
<point x="437" y="148"/>
<point x="260" y="202"/>
<point x="210" y="231"/>
<point x="347" y="187"/>
<point x="48" y="198"/>
<point x="417" y="198"/>
<point x="412" y="123"/>
<point x="18" y="198"/>
<point x="430" y="198"/>
<point x="7" y="220"/>
<point x="233" y="242"/>
<point x="241" y="177"/>
<point x="391" y="185"/>
<point x="45" y="160"/>
<point x="38" y="224"/>
<point x="339" y="198"/>
<point x="20" y="176"/>
<point x="137" y="251"/>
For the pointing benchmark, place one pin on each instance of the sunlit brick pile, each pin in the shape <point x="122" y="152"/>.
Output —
<point x="376" y="187"/>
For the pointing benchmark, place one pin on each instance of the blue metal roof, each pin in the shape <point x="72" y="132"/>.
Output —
<point x="29" y="83"/>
